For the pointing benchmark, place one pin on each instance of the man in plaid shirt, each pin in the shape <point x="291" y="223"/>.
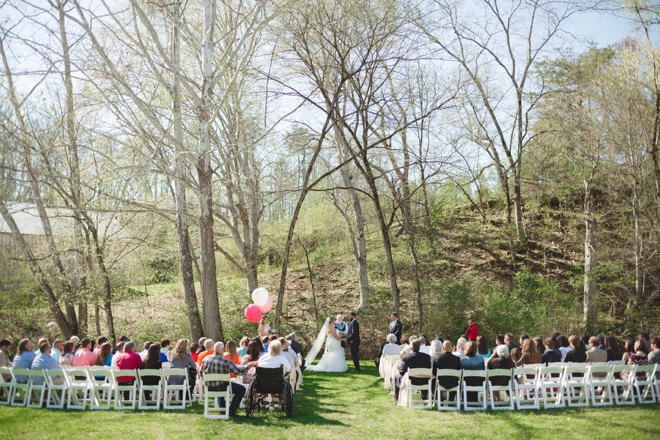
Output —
<point x="217" y="364"/>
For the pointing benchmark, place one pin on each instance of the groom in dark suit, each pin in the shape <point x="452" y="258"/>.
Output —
<point x="396" y="328"/>
<point x="353" y="339"/>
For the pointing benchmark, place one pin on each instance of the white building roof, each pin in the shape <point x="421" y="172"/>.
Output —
<point x="28" y="221"/>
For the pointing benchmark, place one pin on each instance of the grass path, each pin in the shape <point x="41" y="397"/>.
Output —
<point x="336" y="406"/>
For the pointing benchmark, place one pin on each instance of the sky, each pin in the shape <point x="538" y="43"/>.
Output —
<point x="604" y="29"/>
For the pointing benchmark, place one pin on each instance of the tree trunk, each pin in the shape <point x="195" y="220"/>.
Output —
<point x="590" y="247"/>
<point x="639" y="271"/>
<point x="360" y="250"/>
<point x="183" y="239"/>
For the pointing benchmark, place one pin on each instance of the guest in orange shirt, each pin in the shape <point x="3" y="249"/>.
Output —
<point x="208" y="344"/>
<point x="84" y="356"/>
<point x="232" y="354"/>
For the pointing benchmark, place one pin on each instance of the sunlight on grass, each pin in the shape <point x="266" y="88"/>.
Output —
<point x="336" y="406"/>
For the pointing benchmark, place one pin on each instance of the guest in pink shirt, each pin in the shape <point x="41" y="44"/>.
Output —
<point x="101" y="341"/>
<point x="128" y="360"/>
<point x="84" y="356"/>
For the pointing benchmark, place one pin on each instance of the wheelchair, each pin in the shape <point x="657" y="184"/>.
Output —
<point x="269" y="381"/>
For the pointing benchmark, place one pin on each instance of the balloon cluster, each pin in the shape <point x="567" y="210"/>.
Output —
<point x="262" y="304"/>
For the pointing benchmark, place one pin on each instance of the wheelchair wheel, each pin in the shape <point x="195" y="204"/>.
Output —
<point x="288" y="400"/>
<point x="250" y="402"/>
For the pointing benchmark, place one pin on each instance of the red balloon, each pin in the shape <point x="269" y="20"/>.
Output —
<point x="253" y="313"/>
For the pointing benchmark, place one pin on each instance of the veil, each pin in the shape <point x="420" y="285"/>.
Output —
<point x="317" y="344"/>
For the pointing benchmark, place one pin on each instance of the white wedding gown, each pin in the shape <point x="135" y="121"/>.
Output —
<point x="333" y="359"/>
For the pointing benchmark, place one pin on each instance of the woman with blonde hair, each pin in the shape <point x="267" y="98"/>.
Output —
<point x="182" y="359"/>
<point x="529" y="354"/>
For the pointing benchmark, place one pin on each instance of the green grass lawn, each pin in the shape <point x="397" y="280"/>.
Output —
<point x="337" y="406"/>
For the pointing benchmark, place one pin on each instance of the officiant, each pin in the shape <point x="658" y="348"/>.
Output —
<point x="342" y="329"/>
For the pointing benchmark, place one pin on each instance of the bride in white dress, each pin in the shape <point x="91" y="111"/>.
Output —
<point x="333" y="359"/>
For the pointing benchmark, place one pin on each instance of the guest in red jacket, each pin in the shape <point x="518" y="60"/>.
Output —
<point x="473" y="332"/>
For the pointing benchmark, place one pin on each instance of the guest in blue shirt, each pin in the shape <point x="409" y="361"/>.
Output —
<point x="44" y="361"/>
<point x="24" y="358"/>
<point x="56" y="350"/>
<point x="471" y="361"/>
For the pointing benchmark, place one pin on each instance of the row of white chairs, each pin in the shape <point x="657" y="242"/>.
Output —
<point x="555" y="386"/>
<point x="96" y="386"/>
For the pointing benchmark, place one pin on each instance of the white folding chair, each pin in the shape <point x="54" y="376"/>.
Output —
<point x="20" y="388"/>
<point x="125" y="391"/>
<point x="415" y="398"/>
<point x="79" y="387"/>
<point x="155" y="390"/>
<point x="53" y="399"/>
<point x="506" y="391"/>
<point x="599" y="383"/>
<point x="101" y="387"/>
<point x="220" y="412"/>
<point x="172" y="392"/>
<point x="166" y="365"/>
<point x="526" y="384"/>
<point x="613" y="363"/>
<point x="623" y="387"/>
<point x="447" y="404"/>
<point x="576" y="392"/>
<point x="550" y="383"/>
<point x="37" y="389"/>
<point x="387" y="364"/>
<point x="6" y="386"/>
<point x="645" y="386"/>
<point x="477" y="381"/>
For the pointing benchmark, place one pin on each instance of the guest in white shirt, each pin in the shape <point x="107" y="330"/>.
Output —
<point x="275" y="358"/>
<point x="120" y="350"/>
<point x="56" y="350"/>
<point x="143" y="353"/>
<point x="460" y="348"/>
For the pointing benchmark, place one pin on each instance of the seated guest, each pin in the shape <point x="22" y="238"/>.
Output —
<point x="295" y="345"/>
<point x="540" y="348"/>
<point x="522" y="339"/>
<point x="104" y="358"/>
<point x="563" y="346"/>
<point x="576" y="354"/>
<point x="97" y="349"/>
<point x="595" y="354"/>
<point x="471" y="361"/>
<point x="120" y="350"/>
<point x="391" y="348"/>
<point x="460" y="348"/>
<point x="508" y="341"/>
<point x="415" y="359"/>
<point x="242" y="346"/>
<point x="217" y="364"/>
<point x="275" y="358"/>
<point x="254" y="351"/>
<point x="647" y="340"/>
<point x="628" y="349"/>
<point x="76" y="340"/>
<point x="483" y="349"/>
<point x="264" y="341"/>
<point x="43" y="361"/>
<point x="550" y="355"/>
<point x="128" y="360"/>
<point x="165" y="351"/>
<point x="39" y="344"/>
<point x="143" y="354"/>
<point x="152" y="362"/>
<point x="424" y="346"/>
<point x="501" y="362"/>
<point x="601" y="341"/>
<point x="445" y="360"/>
<point x="56" y="350"/>
<point x="232" y="354"/>
<point x="208" y="345"/>
<point x="24" y="358"/>
<point x="4" y="359"/>
<point x="639" y="357"/>
<point x="529" y="354"/>
<point x="182" y="359"/>
<point x="84" y="356"/>
<point x="515" y="354"/>
<point x="654" y="356"/>
<point x="193" y="351"/>
<point x="66" y="360"/>
<point x="612" y="349"/>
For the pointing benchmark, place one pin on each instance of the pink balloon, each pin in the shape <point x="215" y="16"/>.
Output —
<point x="253" y="313"/>
<point x="266" y="307"/>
